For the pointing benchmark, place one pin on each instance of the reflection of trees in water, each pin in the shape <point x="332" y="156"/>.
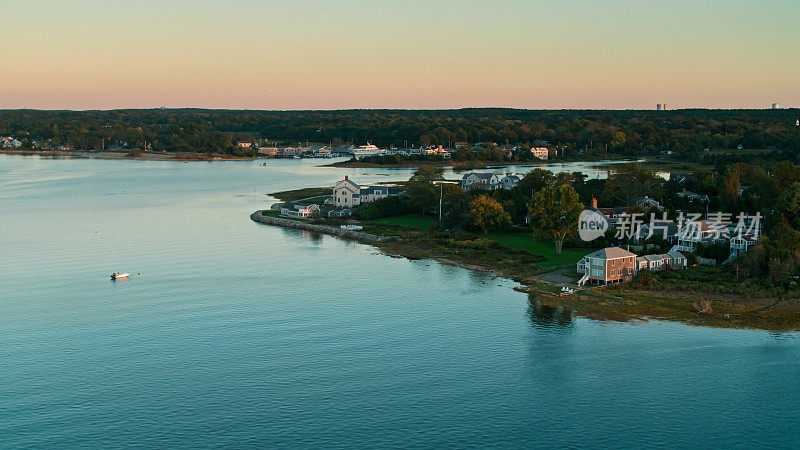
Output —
<point x="314" y="237"/>
<point x="548" y="317"/>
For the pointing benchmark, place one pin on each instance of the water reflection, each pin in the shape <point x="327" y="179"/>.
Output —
<point x="546" y="317"/>
<point x="314" y="237"/>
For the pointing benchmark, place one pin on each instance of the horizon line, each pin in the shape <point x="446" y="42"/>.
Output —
<point x="179" y="108"/>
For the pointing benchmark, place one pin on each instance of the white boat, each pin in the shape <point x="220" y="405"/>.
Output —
<point x="367" y="150"/>
<point x="116" y="276"/>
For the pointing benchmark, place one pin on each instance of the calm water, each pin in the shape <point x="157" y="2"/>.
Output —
<point x="239" y="334"/>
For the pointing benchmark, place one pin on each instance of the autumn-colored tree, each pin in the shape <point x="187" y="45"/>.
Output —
<point x="554" y="211"/>
<point x="488" y="214"/>
<point x="729" y="188"/>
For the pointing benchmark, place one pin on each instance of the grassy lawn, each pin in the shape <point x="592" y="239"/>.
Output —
<point x="409" y="220"/>
<point x="525" y="241"/>
<point x="521" y="241"/>
<point x="318" y="200"/>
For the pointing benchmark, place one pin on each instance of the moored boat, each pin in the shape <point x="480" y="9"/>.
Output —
<point x="116" y="276"/>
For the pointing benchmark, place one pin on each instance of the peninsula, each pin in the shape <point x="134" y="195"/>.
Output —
<point x="485" y="222"/>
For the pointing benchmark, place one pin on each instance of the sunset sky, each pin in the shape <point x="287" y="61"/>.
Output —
<point x="304" y="54"/>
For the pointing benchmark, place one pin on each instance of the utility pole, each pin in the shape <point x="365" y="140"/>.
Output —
<point x="441" y="190"/>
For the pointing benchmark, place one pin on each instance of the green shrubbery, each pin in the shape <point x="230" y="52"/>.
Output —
<point x="384" y="207"/>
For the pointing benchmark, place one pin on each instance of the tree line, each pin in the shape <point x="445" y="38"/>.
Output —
<point x="578" y="133"/>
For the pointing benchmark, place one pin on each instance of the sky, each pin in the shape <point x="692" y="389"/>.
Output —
<point x="314" y="54"/>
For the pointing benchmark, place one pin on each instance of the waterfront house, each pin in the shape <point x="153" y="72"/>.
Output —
<point x="614" y="265"/>
<point x="509" y="181"/>
<point x="338" y="213"/>
<point x="609" y="265"/>
<point x="478" y="180"/>
<point x="437" y="151"/>
<point x="348" y="194"/>
<point x="245" y="144"/>
<point x="540" y="152"/>
<point x="298" y="211"/>
<point x="268" y="151"/>
<point x="741" y="244"/>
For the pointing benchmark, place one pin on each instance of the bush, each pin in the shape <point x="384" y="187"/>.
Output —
<point x="384" y="207"/>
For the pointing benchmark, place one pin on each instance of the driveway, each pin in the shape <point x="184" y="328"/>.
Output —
<point x="559" y="278"/>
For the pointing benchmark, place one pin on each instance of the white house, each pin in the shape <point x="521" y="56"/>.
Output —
<point x="348" y="194"/>
<point x="475" y="180"/>
<point x="509" y="181"/>
<point x="741" y="244"/>
<point x="300" y="211"/>
<point x="692" y="233"/>
<point x="540" y="152"/>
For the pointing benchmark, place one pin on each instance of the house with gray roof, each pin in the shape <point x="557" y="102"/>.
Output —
<point x="509" y="181"/>
<point x="615" y="265"/>
<point x="609" y="265"/>
<point x="480" y="180"/>
<point x="348" y="194"/>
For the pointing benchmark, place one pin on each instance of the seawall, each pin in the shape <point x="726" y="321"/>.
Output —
<point x="325" y="229"/>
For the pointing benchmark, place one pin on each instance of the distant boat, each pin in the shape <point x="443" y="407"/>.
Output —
<point x="116" y="276"/>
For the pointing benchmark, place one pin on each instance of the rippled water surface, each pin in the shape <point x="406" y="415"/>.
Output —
<point x="233" y="333"/>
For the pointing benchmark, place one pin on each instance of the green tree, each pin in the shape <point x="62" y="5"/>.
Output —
<point x="423" y="196"/>
<point x="427" y="173"/>
<point x="788" y="204"/>
<point x="554" y="211"/>
<point x="488" y="214"/>
<point x="629" y="182"/>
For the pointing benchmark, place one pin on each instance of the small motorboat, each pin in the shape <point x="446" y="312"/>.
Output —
<point x="116" y="276"/>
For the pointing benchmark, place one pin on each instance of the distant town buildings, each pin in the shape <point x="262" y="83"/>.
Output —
<point x="540" y="152"/>
<point x="775" y="106"/>
<point x="9" y="142"/>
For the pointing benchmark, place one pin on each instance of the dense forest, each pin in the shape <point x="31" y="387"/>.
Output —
<point x="682" y="133"/>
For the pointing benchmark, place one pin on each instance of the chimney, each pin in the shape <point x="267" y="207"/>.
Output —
<point x="594" y="202"/>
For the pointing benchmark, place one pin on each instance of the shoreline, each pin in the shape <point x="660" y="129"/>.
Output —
<point x="259" y="217"/>
<point x="129" y="156"/>
<point x="620" y="302"/>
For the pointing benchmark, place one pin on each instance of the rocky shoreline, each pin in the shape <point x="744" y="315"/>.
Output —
<point x="258" y="216"/>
